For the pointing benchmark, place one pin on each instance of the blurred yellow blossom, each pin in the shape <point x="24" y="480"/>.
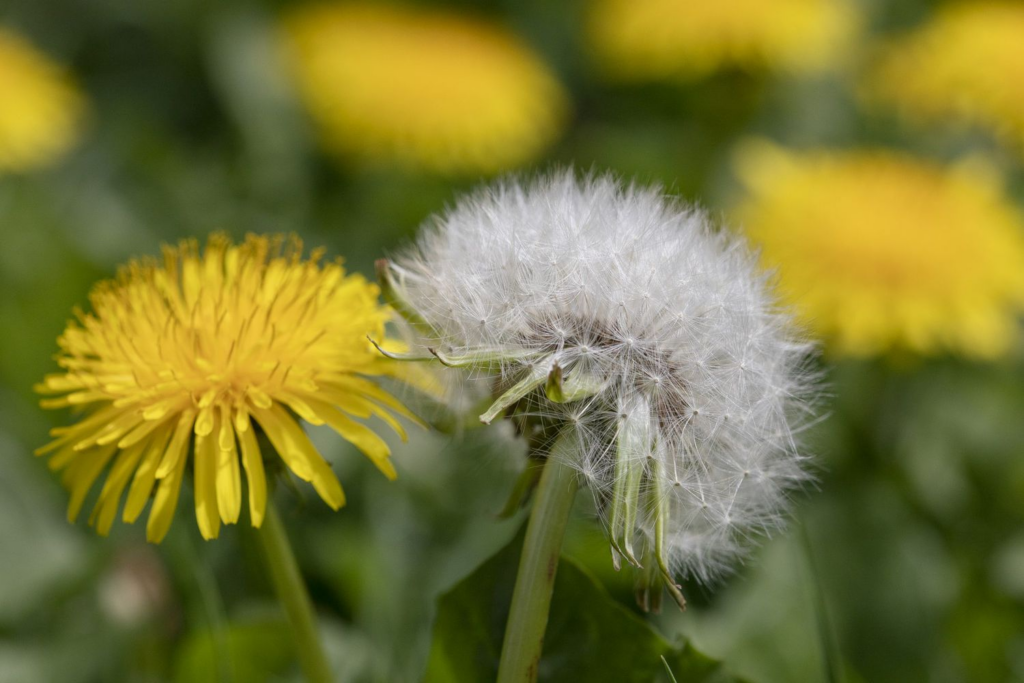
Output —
<point x="423" y="88"/>
<point x="967" y="64"/>
<point x="40" y="109"/>
<point x="208" y="349"/>
<point x="880" y="252"/>
<point x="661" y="39"/>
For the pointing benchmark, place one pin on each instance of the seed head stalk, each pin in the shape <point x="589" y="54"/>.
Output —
<point x="538" y="564"/>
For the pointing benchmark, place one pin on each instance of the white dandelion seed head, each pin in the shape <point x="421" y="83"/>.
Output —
<point x="693" y="373"/>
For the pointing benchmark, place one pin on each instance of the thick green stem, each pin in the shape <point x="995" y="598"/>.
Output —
<point x="291" y="591"/>
<point x="535" y="581"/>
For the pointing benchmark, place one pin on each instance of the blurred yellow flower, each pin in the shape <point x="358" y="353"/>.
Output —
<point x="662" y="39"/>
<point x="40" y="109"/>
<point x="967" y="64"/>
<point x="422" y="88"/>
<point x="881" y="252"/>
<point x="205" y="345"/>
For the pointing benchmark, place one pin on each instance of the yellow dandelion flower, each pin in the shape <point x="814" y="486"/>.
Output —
<point x="422" y="88"/>
<point x="660" y="39"/>
<point x="183" y="358"/>
<point x="881" y="252"/>
<point x="41" y="110"/>
<point x="966" y="65"/>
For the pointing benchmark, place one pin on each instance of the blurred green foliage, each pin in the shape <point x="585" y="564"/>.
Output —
<point x="913" y="569"/>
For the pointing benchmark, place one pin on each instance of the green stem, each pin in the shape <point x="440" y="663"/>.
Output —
<point x="535" y="580"/>
<point x="291" y="590"/>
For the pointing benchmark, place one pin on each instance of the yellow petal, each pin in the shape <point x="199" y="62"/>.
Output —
<point x="241" y="419"/>
<point x="204" y="422"/>
<point x="252" y="460"/>
<point x="76" y="431"/>
<point x="229" y="480"/>
<point x="299" y="454"/>
<point x="292" y="454"/>
<point x="140" y="432"/>
<point x="178" y="448"/>
<point x="62" y="458"/>
<point x="390" y="421"/>
<point x="77" y="398"/>
<point x="363" y="408"/>
<point x="259" y="398"/>
<point x="301" y="407"/>
<point x="346" y="386"/>
<point x="112" y="432"/>
<point x="205" y="467"/>
<point x="110" y="496"/>
<point x="52" y="446"/>
<point x="361" y="436"/>
<point x="145" y="474"/>
<point x="80" y="475"/>
<point x="166" y="500"/>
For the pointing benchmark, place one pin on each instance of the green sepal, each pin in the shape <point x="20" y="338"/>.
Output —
<point x="660" y="507"/>
<point x="534" y="379"/>
<point x="626" y="492"/>
<point x="399" y="356"/>
<point x="486" y="360"/>
<point x="577" y="385"/>
<point x="632" y="451"/>
<point x="634" y="477"/>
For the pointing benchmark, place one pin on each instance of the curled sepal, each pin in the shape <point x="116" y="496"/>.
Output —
<point x="660" y="508"/>
<point x="392" y="355"/>
<point x="534" y="378"/>
<point x="521" y="490"/>
<point x="562" y="387"/>
<point x="487" y="360"/>
<point x="633" y="445"/>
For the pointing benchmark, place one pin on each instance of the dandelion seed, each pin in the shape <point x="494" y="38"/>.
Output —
<point x="183" y="360"/>
<point x="635" y="314"/>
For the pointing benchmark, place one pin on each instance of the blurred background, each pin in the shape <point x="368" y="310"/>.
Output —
<point x="874" y="150"/>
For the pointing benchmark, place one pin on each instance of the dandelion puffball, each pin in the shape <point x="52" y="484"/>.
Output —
<point x="630" y="319"/>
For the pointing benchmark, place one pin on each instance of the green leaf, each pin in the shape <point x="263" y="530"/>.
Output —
<point x="590" y="636"/>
